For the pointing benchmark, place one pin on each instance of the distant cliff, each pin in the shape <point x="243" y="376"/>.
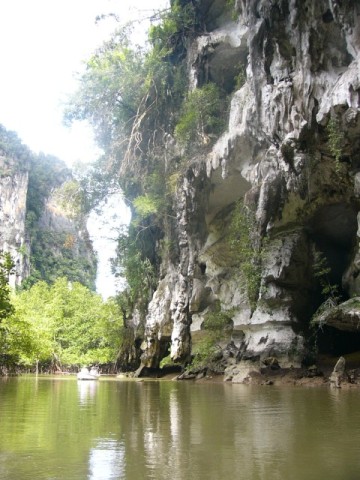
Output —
<point x="44" y="240"/>
<point x="14" y="178"/>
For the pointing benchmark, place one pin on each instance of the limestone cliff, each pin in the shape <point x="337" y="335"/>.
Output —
<point x="291" y="153"/>
<point x="14" y="175"/>
<point x="59" y="241"/>
<point x="44" y="240"/>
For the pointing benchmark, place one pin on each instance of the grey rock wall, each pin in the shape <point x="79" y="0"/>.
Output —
<point x="34" y="227"/>
<point x="302" y="62"/>
<point x="13" y="192"/>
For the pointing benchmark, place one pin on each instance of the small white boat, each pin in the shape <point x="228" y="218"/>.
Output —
<point x="85" y="374"/>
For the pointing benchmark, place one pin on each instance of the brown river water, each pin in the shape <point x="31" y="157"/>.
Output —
<point x="59" y="428"/>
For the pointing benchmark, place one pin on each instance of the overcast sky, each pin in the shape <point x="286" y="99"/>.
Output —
<point x="43" y="43"/>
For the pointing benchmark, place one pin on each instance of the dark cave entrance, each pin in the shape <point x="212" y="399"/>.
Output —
<point x="335" y="342"/>
<point x="332" y="230"/>
<point x="169" y="366"/>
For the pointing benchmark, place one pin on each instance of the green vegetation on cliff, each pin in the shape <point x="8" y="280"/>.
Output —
<point x="59" y="243"/>
<point x="13" y="153"/>
<point x="217" y="328"/>
<point x="6" y="268"/>
<point x="56" y="242"/>
<point x="138" y="103"/>
<point x="201" y="117"/>
<point x="246" y="249"/>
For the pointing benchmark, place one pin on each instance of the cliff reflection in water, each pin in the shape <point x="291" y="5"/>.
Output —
<point x="130" y="430"/>
<point x="177" y="430"/>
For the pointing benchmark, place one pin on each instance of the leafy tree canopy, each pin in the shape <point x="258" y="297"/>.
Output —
<point x="66" y="324"/>
<point x="130" y="94"/>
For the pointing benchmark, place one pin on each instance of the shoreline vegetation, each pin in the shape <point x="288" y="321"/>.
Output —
<point x="321" y="375"/>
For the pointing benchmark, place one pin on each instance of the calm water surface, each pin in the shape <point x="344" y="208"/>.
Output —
<point x="58" y="428"/>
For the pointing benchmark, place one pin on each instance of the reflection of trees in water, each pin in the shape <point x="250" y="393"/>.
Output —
<point x="176" y="430"/>
<point x="181" y="430"/>
<point x="204" y="431"/>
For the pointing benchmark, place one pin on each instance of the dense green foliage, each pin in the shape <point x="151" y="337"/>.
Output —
<point x="336" y="140"/>
<point x="61" y="326"/>
<point x="112" y="89"/>
<point x="6" y="268"/>
<point x="201" y="116"/>
<point x="126" y="93"/>
<point x="15" y="333"/>
<point x="57" y="254"/>
<point x="246" y="249"/>
<point x="217" y="327"/>
<point x="56" y="251"/>
<point x="136" y="261"/>
<point x="169" y="36"/>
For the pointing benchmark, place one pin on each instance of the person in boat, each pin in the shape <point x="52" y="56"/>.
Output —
<point x="94" y="371"/>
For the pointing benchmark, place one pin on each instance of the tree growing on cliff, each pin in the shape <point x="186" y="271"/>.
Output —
<point x="246" y="249"/>
<point x="201" y="116"/>
<point x="6" y="268"/>
<point x="131" y="94"/>
<point x="132" y="97"/>
<point x="217" y="327"/>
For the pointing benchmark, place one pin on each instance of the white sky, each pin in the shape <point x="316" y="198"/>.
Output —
<point x="43" y="43"/>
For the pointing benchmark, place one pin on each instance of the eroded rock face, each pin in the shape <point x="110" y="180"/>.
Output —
<point x="344" y="317"/>
<point x="302" y="63"/>
<point x="13" y="192"/>
<point x="32" y="219"/>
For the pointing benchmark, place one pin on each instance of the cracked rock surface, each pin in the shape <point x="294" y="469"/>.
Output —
<point x="302" y="64"/>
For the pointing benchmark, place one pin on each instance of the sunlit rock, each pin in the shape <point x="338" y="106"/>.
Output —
<point x="299" y="63"/>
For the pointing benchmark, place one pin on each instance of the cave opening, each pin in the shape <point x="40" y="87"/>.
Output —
<point x="334" y="342"/>
<point x="166" y="365"/>
<point x="333" y="232"/>
<point x="164" y="347"/>
<point x="223" y="64"/>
